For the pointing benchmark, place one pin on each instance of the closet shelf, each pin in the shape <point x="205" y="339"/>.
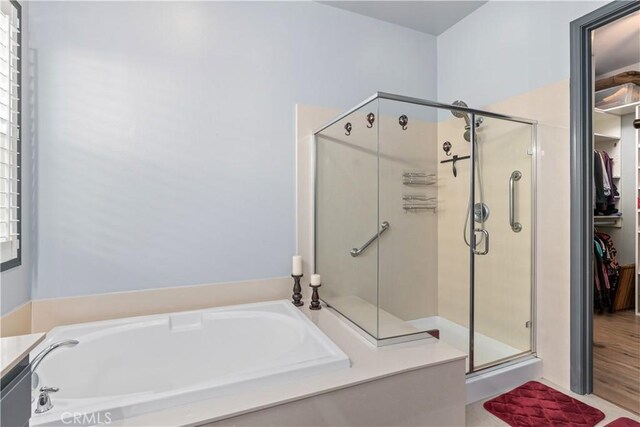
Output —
<point x="622" y="109"/>
<point x="605" y="138"/>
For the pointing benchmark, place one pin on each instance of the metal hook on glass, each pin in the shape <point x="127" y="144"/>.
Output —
<point x="403" y="120"/>
<point x="447" y="148"/>
<point x="347" y="127"/>
<point x="370" y="119"/>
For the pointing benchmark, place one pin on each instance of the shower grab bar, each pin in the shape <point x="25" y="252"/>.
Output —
<point x="515" y="226"/>
<point x="357" y="251"/>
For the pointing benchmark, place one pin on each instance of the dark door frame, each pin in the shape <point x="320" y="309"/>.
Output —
<point x="581" y="91"/>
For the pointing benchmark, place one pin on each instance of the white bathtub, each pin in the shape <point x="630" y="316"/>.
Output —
<point x="126" y="367"/>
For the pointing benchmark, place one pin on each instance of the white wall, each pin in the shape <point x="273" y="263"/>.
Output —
<point x="166" y="132"/>
<point x="15" y="284"/>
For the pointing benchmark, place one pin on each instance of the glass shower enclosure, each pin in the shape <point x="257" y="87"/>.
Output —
<point x="424" y="225"/>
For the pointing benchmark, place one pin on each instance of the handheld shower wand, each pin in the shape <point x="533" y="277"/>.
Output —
<point x="481" y="211"/>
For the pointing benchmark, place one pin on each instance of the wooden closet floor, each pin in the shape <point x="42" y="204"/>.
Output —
<point x="616" y="358"/>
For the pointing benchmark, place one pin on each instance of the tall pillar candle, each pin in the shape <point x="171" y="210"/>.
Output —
<point x="296" y="269"/>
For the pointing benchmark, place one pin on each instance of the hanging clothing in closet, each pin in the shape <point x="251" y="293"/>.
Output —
<point x="605" y="271"/>
<point x="605" y="191"/>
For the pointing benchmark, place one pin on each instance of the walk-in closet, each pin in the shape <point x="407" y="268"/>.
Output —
<point x="616" y="212"/>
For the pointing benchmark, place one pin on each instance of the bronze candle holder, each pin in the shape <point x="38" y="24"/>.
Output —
<point x="297" y="291"/>
<point x="315" y="298"/>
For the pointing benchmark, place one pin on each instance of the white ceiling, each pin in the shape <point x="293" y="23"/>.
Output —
<point x="431" y="17"/>
<point x="617" y="45"/>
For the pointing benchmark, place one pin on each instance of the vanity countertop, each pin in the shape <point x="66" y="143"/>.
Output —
<point x="14" y="349"/>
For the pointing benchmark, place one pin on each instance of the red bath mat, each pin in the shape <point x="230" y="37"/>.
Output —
<point x="535" y="404"/>
<point x="623" y="422"/>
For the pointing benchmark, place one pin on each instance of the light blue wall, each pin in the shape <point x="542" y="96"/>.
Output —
<point x="15" y="284"/>
<point x="166" y="132"/>
<point x="506" y="48"/>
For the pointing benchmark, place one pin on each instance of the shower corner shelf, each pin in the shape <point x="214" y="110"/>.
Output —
<point x="419" y="179"/>
<point x="411" y="208"/>
<point x="419" y="202"/>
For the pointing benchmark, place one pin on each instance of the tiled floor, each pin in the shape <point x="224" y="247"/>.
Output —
<point x="477" y="416"/>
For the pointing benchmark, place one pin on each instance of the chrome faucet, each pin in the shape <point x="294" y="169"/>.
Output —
<point x="44" y="401"/>
<point x="38" y="359"/>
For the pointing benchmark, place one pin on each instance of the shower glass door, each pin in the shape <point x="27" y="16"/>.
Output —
<point x="502" y="256"/>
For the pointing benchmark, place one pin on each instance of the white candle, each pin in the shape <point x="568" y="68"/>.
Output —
<point x="297" y="266"/>
<point x="315" y="279"/>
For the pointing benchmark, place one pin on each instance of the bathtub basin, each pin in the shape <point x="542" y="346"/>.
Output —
<point x="127" y="367"/>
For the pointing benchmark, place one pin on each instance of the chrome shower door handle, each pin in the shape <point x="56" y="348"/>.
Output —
<point x="486" y="241"/>
<point x="515" y="226"/>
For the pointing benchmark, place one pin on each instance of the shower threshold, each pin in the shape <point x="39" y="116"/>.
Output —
<point x="364" y="316"/>
<point x="487" y="350"/>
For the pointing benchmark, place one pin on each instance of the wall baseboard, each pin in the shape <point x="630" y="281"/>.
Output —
<point x="17" y="321"/>
<point x="45" y="314"/>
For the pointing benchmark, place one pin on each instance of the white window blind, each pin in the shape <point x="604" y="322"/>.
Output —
<point x="9" y="132"/>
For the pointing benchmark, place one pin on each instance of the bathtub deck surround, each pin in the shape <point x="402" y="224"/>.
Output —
<point x="418" y="383"/>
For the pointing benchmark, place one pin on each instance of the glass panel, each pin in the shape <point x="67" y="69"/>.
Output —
<point x="453" y="251"/>
<point x="408" y="197"/>
<point x="502" y="276"/>
<point x="347" y="217"/>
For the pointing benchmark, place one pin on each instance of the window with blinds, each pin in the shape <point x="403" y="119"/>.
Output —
<point x="10" y="109"/>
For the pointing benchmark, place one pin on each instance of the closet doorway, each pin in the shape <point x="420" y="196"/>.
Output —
<point x="616" y="324"/>
<point x="605" y="315"/>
